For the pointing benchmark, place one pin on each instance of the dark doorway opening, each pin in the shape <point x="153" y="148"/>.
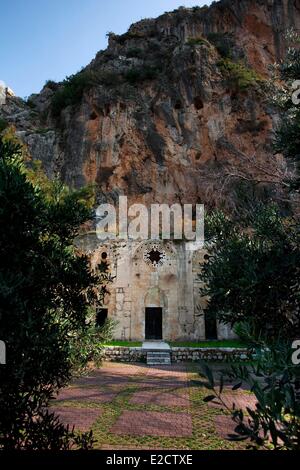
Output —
<point x="101" y="316"/>
<point x="153" y="323"/>
<point x="211" y="331"/>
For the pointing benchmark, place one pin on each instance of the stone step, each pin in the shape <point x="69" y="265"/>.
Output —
<point x="156" y="358"/>
<point x="158" y="354"/>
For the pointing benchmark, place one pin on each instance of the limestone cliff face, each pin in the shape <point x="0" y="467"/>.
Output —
<point x="176" y="110"/>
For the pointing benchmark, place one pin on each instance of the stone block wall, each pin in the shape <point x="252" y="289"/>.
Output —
<point x="126" y="354"/>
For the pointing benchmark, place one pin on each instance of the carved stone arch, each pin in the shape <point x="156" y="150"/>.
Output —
<point x="155" y="297"/>
<point x="155" y="253"/>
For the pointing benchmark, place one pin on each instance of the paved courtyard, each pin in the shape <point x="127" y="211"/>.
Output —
<point x="134" y="406"/>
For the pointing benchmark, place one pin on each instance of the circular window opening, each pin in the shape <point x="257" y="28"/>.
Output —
<point x="154" y="256"/>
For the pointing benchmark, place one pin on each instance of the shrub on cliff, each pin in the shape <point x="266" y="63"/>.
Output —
<point x="72" y="90"/>
<point x="224" y="43"/>
<point x="198" y="42"/>
<point x="239" y="77"/>
<point x="3" y="124"/>
<point x="140" y="74"/>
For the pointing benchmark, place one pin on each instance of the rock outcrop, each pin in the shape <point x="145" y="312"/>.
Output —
<point x="175" y="110"/>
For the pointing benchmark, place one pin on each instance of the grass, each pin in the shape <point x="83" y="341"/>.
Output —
<point x="125" y="344"/>
<point x="234" y="343"/>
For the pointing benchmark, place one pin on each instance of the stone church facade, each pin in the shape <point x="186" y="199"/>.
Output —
<point x="155" y="294"/>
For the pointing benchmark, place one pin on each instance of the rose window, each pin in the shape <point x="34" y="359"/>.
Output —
<point x="155" y="256"/>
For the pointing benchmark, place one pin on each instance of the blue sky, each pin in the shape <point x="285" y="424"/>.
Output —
<point x="49" y="39"/>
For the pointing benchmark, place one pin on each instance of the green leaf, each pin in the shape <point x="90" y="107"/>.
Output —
<point x="209" y="398"/>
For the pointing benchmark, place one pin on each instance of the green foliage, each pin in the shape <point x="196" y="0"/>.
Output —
<point x="30" y="103"/>
<point x="46" y="290"/>
<point x="290" y="67"/>
<point x="135" y="52"/>
<point x="223" y="43"/>
<point x="274" y="423"/>
<point x="125" y="344"/>
<point x="140" y="74"/>
<point x="72" y="90"/>
<point x="109" y="78"/>
<point x="253" y="275"/>
<point x="238" y="76"/>
<point x="51" y="84"/>
<point x="198" y="42"/>
<point x="86" y="344"/>
<point x="287" y="139"/>
<point x="3" y="124"/>
<point x="128" y="36"/>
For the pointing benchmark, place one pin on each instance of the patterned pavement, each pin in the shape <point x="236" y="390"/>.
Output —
<point x="135" y="402"/>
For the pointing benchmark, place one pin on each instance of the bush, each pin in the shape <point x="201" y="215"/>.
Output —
<point x="108" y="78"/>
<point x="87" y="344"/>
<point x="253" y="276"/>
<point x="3" y="124"/>
<point x="274" y="423"/>
<point x="140" y="74"/>
<point x="127" y="36"/>
<point x="287" y="135"/>
<point x="72" y="90"/>
<point x="198" y="42"/>
<point x="51" y="84"/>
<point x="135" y="52"/>
<point x="224" y="43"/>
<point x="46" y="291"/>
<point x="239" y="77"/>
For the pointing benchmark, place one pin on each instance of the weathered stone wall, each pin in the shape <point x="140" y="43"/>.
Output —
<point x="126" y="354"/>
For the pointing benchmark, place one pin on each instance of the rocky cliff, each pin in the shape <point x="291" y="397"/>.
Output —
<point x="175" y="110"/>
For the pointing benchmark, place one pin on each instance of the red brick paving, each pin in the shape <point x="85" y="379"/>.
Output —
<point x="161" y="398"/>
<point x="81" y="418"/>
<point x="153" y="423"/>
<point x="167" y="372"/>
<point x="160" y="383"/>
<point x="123" y="369"/>
<point x="113" y="382"/>
<point x="86" y="394"/>
<point x="240" y="399"/>
<point x="224" y="426"/>
<point x="112" y="375"/>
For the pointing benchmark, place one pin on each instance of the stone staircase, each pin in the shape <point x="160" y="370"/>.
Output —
<point x="155" y="358"/>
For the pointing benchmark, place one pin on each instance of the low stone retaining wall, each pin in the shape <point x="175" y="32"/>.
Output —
<point x="210" y="354"/>
<point x="126" y="354"/>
